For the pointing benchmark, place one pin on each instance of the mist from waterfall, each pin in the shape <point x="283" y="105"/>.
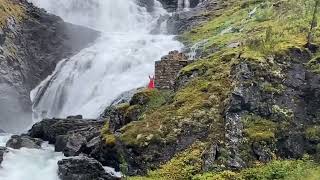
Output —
<point x="120" y="60"/>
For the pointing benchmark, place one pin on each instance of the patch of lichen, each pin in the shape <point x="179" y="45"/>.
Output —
<point x="259" y="28"/>
<point x="280" y="169"/>
<point x="8" y="9"/>
<point x="184" y="165"/>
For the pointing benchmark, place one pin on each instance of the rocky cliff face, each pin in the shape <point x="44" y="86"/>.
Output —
<point x="32" y="42"/>
<point x="250" y="99"/>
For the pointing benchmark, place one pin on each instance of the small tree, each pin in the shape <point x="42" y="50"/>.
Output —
<point x="313" y="23"/>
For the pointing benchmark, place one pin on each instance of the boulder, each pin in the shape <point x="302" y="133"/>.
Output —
<point x="50" y="129"/>
<point x="17" y="142"/>
<point x="75" y="117"/>
<point x="75" y="142"/>
<point x="3" y="150"/>
<point x="83" y="168"/>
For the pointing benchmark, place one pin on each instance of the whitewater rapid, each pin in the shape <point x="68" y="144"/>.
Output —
<point x="29" y="164"/>
<point x="120" y="60"/>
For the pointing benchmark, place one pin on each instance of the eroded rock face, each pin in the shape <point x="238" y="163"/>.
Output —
<point x="3" y="150"/>
<point x="29" y="52"/>
<point x="279" y="99"/>
<point x="17" y="142"/>
<point x="83" y="168"/>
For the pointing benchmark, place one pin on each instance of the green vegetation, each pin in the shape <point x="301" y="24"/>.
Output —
<point x="273" y="89"/>
<point x="313" y="133"/>
<point x="109" y="138"/>
<point x="190" y="106"/>
<point x="314" y="64"/>
<point x="259" y="129"/>
<point x="9" y="9"/>
<point x="255" y="32"/>
<point x="261" y="28"/>
<point x="281" y="170"/>
<point x="184" y="165"/>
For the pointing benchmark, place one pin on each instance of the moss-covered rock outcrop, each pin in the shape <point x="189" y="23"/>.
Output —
<point x="251" y="98"/>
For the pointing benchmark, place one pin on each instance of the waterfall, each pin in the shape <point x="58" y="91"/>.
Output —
<point x="120" y="60"/>
<point x="183" y="5"/>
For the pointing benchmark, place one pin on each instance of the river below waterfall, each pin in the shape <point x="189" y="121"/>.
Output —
<point x="120" y="60"/>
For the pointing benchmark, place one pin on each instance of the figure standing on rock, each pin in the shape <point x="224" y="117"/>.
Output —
<point x="151" y="83"/>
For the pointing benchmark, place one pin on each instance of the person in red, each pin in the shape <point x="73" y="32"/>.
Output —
<point x="151" y="83"/>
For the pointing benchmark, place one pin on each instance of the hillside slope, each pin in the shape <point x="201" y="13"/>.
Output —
<point x="252" y="96"/>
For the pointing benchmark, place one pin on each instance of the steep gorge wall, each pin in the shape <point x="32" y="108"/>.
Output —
<point x="32" y="42"/>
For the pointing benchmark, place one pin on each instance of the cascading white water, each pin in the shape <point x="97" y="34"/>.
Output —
<point x="183" y="5"/>
<point x="121" y="59"/>
<point x="29" y="164"/>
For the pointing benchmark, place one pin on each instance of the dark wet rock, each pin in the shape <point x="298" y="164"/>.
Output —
<point x="17" y="142"/>
<point x="148" y="4"/>
<point x="77" y="141"/>
<point x="209" y="157"/>
<point x="172" y="5"/>
<point x="183" y="21"/>
<point x="108" y="155"/>
<point x="75" y="117"/>
<point x="3" y="150"/>
<point x="77" y="136"/>
<point x="50" y="129"/>
<point x="83" y="168"/>
<point x="29" y="51"/>
<point x="116" y="118"/>
<point x="292" y="146"/>
<point x="262" y="151"/>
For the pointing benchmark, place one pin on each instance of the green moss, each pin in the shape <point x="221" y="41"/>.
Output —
<point x="189" y="106"/>
<point x="184" y="165"/>
<point x="10" y="9"/>
<point x="285" y="170"/>
<point x="259" y="129"/>
<point x="313" y="133"/>
<point x="107" y="136"/>
<point x="273" y="89"/>
<point x="261" y="28"/>
<point x="314" y="64"/>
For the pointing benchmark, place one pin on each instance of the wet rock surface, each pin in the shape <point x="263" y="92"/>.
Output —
<point x="17" y="142"/>
<point x="29" y="52"/>
<point x="83" y="168"/>
<point x="3" y="150"/>
<point x="183" y="21"/>
<point x="50" y="129"/>
<point x="76" y="136"/>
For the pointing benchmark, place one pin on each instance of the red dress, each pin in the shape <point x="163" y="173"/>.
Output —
<point x="151" y="84"/>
